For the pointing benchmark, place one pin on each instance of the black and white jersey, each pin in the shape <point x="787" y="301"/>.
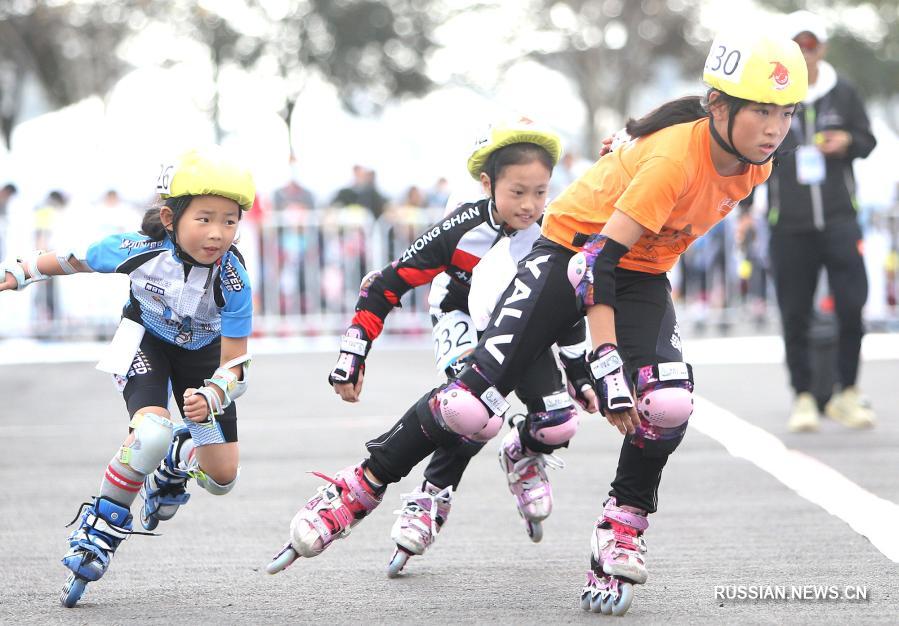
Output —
<point x="453" y="245"/>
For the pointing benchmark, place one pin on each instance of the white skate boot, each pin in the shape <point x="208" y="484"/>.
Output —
<point x="423" y="515"/>
<point x="617" y="560"/>
<point x="328" y="515"/>
<point x="528" y="482"/>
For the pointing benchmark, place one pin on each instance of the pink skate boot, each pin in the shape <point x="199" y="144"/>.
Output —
<point x="328" y="515"/>
<point x="617" y="560"/>
<point x="528" y="481"/>
<point x="421" y="518"/>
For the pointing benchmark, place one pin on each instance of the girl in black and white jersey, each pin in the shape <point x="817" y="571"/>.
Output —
<point x="513" y="163"/>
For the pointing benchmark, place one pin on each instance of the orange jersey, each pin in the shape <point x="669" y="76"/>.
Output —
<point x="666" y="182"/>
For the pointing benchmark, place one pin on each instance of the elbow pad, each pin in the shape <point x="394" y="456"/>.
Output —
<point x="592" y="270"/>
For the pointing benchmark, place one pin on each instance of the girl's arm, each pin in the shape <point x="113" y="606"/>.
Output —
<point x="22" y="272"/>
<point x="600" y="317"/>
<point x="198" y="403"/>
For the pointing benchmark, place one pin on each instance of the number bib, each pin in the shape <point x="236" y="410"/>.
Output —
<point x="454" y="338"/>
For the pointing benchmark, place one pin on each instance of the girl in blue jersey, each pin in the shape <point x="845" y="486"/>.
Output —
<point x="184" y="332"/>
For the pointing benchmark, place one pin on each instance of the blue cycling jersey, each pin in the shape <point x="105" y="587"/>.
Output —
<point x="183" y="304"/>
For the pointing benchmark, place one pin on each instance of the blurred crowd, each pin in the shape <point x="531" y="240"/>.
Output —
<point x="308" y="255"/>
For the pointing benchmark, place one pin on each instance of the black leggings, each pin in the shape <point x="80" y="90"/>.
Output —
<point x="161" y="369"/>
<point x="797" y="259"/>
<point x="536" y="308"/>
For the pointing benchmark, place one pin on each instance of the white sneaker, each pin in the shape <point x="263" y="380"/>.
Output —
<point x="804" y="417"/>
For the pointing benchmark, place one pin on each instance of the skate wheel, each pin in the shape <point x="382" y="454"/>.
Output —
<point x="535" y="531"/>
<point x="623" y="601"/>
<point x="282" y="560"/>
<point x="585" y="599"/>
<point x="397" y="563"/>
<point x="596" y="601"/>
<point x="72" y="591"/>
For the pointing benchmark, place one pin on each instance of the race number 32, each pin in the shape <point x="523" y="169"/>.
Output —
<point x="454" y="337"/>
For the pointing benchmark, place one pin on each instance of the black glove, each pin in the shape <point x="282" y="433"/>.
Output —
<point x="578" y="376"/>
<point x="354" y="347"/>
<point x="609" y="382"/>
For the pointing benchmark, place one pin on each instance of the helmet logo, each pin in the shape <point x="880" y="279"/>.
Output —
<point x="781" y="75"/>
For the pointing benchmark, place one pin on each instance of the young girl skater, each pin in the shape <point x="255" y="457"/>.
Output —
<point x="184" y="330"/>
<point x="513" y="163"/>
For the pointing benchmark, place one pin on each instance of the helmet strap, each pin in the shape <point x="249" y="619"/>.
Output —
<point x="179" y="251"/>
<point x="728" y="145"/>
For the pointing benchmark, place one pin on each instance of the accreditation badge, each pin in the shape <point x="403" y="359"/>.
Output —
<point x="810" y="166"/>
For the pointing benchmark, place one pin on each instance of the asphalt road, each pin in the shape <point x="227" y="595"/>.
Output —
<point x="722" y="522"/>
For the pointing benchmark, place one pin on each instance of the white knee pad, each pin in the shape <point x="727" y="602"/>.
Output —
<point x="152" y="437"/>
<point x="207" y="483"/>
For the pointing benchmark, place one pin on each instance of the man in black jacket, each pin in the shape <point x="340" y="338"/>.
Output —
<point x="814" y="224"/>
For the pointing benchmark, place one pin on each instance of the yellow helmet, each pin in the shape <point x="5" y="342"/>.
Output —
<point x="207" y="171"/>
<point x="498" y="136"/>
<point x="761" y="68"/>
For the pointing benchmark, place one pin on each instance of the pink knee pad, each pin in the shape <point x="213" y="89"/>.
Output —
<point x="666" y="403"/>
<point x="489" y="431"/>
<point x="554" y="428"/>
<point x="461" y="412"/>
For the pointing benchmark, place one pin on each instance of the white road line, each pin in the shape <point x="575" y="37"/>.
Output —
<point x="867" y="514"/>
<point x="698" y="351"/>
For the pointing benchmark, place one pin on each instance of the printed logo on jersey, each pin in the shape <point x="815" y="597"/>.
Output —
<point x="132" y="244"/>
<point x="231" y="280"/>
<point x="447" y="224"/>
<point x="727" y="205"/>
<point x="140" y="365"/>
<point x="154" y="289"/>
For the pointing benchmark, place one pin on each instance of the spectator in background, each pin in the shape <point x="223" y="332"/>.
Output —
<point x="6" y="193"/>
<point x="414" y="198"/>
<point x="569" y="169"/>
<point x="115" y="215"/>
<point x="362" y="192"/>
<point x="294" y="195"/>
<point x="439" y="194"/>
<point x="814" y="225"/>
<point x="47" y="216"/>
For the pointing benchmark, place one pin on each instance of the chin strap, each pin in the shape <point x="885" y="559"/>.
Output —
<point x="728" y="146"/>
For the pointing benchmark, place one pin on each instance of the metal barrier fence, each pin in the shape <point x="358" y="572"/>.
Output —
<point x="306" y="267"/>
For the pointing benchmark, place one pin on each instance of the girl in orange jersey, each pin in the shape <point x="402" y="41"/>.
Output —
<point x="606" y="245"/>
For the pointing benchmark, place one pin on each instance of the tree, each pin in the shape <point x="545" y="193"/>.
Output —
<point x="863" y="45"/>
<point x="371" y="51"/>
<point x="65" y="48"/>
<point x="610" y="48"/>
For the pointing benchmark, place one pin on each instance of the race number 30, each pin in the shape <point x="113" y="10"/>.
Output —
<point x="727" y="60"/>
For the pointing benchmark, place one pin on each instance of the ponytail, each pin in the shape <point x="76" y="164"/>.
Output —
<point x="686" y="109"/>
<point x="151" y="225"/>
<point x="680" y="111"/>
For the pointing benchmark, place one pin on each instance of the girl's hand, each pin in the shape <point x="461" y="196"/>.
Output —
<point x="625" y="421"/>
<point x="349" y="392"/>
<point x="195" y="407"/>
<point x="7" y="281"/>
